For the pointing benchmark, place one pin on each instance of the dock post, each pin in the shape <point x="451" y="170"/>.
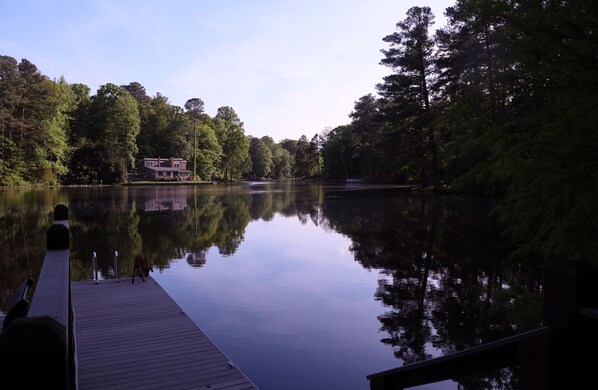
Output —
<point x="554" y="361"/>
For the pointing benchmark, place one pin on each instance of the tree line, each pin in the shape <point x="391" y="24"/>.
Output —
<point x="52" y="132"/>
<point x="500" y="101"/>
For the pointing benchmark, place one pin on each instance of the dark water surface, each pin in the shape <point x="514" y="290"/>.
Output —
<point x="303" y="286"/>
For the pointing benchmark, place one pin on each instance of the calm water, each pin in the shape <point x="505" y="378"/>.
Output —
<point x="302" y="286"/>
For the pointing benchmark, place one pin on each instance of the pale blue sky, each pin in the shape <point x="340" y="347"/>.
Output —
<point x="288" y="68"/>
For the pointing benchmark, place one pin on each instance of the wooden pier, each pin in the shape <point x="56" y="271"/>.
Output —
<point x="134" y="336"/>
<point x="111" y="334"/>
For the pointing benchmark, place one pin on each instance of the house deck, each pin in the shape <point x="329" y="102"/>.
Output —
<point x="134" y="336"/>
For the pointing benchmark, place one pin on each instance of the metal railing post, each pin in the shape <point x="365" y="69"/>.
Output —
<point x="94" y="268"/>
<point x="116" y="266"/>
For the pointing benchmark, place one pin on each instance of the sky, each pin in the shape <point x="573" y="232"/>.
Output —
<point x="287" y="68"/>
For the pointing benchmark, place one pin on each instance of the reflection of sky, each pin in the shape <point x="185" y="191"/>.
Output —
<point x="291" y="307"/>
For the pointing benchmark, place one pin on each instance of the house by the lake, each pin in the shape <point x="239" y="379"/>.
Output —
<point x="163" y="169"/>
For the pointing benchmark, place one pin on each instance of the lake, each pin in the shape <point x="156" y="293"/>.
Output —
<point x="303" y="286"/>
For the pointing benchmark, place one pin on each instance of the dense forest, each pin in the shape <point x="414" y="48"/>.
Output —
<point x="500" y="101"/>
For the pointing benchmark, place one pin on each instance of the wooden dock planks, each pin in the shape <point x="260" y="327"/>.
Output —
<point x="134" y="336"/>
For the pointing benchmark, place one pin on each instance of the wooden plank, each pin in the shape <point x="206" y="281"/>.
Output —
<point x="134" y="336"/>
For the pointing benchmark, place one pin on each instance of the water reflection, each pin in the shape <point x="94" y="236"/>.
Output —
<point x="166" y="199"/>
<point x="445" y="280"/>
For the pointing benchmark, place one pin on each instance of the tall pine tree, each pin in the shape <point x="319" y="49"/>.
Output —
<point x="408" y="97"/>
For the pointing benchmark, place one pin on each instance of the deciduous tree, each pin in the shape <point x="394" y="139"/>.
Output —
<point x="116" y="124"/>
<point x="235" y="145"/>
<point x="261" y="158"/>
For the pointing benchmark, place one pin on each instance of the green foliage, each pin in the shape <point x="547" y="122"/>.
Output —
<point x="54" y="144"/>
<point x="505" y="106"/>
<point x="121" y="129"/>
<point x="206" y="151"/>
<point x="289" y="145"/>
<point x="115" y="123"/>
<point x="137" y="91"/>
<point x="209" y="150"/>
<point x="366" y="126"/>
<point x="9" y="96"/>
<point x="93" y="164"/>
<point x="542" y="162"/>
<point x="338" y="151"/>
<point x="235" y="146"/>
<point x="282" y="162"/>
<point x="79" y="123"/>
<point x="11" y="163"/>
<point x="228" y="114"/>
<point x="307" y="157"/>
<point x="474" y="65"/>
<point x="195" y="108"/>
<point x="34" y="118"/>
<point x="261" y="158"/>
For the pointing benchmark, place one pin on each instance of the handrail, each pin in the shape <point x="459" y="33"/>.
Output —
<point x="495" y="354"/>
<point x="589" y="312"/>
<point x="547" y="357"/>
<point x="44" y="339"/>
<point x="52" y="292"/>
<point x="20" y="304"/>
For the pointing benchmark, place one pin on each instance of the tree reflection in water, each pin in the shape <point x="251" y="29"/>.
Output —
<point x="445" y="277"/>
